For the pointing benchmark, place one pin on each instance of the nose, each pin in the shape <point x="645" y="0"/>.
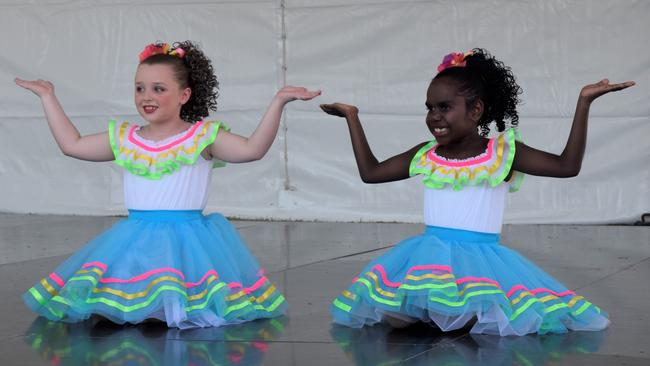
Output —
<point x="433" y="115"/>
<point x="146" y="95"/>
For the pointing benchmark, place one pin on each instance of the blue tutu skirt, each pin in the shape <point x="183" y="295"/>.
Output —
<point x="180" y="267"/>
<point x="451" y="277"/>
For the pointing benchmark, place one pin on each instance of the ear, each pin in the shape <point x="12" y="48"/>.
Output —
<point x="185" y="96"/>
<point x="476" y="110"/>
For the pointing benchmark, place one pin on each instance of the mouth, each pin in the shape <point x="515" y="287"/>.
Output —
<point x="440" y="131"/>
<point x="148" y="109"/>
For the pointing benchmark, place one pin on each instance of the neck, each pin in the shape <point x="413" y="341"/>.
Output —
<point x="468" y="146"/>
<point x="159" y="131"/>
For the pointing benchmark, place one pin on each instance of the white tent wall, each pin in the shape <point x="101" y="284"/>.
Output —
<point x="378" y="55"/>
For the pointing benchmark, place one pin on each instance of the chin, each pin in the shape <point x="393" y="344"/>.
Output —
<point x="442" y="140"/>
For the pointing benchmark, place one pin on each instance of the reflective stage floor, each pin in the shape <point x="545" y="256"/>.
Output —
<point x="311" y="263"/>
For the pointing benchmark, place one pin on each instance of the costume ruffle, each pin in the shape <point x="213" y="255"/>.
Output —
<point x="181" y="267"/>
<point x="154" y="162"/>
<point x="451" y="277"/>
<point x="492" y="167"/>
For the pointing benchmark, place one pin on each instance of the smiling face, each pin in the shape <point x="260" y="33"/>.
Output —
<point x="448" y="117"/>
<point x="158" y="95"/>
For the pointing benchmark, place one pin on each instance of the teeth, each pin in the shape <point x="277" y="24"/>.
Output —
<point x="440" y="129"/>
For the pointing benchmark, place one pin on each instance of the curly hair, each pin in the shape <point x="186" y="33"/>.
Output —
<point x="490" y="80"/>
<point x="193" y="70"/>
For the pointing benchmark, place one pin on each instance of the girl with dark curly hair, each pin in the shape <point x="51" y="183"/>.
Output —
<point x="456" y="274"/>
<point x="166" y="261"/>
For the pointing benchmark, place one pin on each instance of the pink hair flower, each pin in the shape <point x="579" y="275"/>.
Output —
<point x="454" y="59"/>
<point x="179" y="52"/>
<point x="160" y="48"/>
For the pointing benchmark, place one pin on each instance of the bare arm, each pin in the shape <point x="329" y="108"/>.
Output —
<point x="92" y="147"/>
<point x="532" y="161"/>
<point x="234" y="148"/>
<point x="370" y="169"/>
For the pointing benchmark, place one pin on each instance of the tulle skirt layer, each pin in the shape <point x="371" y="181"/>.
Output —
<point x="451" y="277"/>
<point x="180" y="267"/>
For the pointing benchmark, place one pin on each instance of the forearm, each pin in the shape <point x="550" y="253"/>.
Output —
<point x="238" y="149"/>
<point x="64" y="132"/>
<point x="574" y="151"/>
<point x="366" y="160"/>
<point x="260" y="141"/>
<point x="532" y="161"/>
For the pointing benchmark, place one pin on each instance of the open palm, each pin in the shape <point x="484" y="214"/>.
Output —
<point x="39" y="87"/>
<point x="339" y="109"/>
<point x="290" y="93"/>
<point x="593" y="91"/>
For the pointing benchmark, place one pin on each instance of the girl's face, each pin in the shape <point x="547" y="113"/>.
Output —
<point x="158" y="95"/>
<point x="448" y="118"/>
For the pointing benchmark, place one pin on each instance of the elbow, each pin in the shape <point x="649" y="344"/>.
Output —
<point x="248" y="158"/>
<point x="571" y="171"/>
<point x="67" y="151"/>
<point x="255" y="152"/>
<point x="257" y="155"/>
<point x="366" y="178"/>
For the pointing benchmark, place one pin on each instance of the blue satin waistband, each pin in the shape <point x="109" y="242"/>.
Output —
<point x="165" y="215"/>
<point x="461" y="235"/>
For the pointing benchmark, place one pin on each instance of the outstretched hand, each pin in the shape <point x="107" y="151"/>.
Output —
<point x="592" y="91"/>
<point x="339" y="109"/>
<point x="291" y="93"/>
<point x="39" y="87"/>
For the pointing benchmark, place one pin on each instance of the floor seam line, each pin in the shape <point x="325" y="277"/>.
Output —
<point x="434" y="346"/>
<point x="334" y="259"/>
<point x="612" y="274"/>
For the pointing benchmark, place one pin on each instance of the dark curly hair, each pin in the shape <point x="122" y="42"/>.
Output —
<point x="193" y="70"/>
<point x="489" y="80"/>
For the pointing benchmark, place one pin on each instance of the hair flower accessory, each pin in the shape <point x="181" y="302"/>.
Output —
<point x="454" y="59"/>
<point x="160" y="48"/>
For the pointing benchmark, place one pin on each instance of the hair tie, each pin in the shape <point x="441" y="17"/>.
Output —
<point x="454" y="59"/>
<point x="160" y="49"/>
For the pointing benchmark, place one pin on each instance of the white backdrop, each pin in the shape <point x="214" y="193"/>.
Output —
<point x="379" y="55"/>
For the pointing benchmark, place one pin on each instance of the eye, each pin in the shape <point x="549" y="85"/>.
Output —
<point x="159" y="89"/>
<point x="139" y="89"/>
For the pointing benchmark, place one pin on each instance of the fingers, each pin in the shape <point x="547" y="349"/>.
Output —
<point x="307" y="95"/>
<point x="328" y="108"/>
<point x="25" y="83"/>
<point x="605" y="83"/>
<point x="620" y="86"/>
<point x="21" y="82"/>
<point x="331" y="106"/>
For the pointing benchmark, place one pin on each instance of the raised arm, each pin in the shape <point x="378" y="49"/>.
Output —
<point x="92" y="147"/>
<point x="536" y="162"/>
<point x="233" y="148"/>
<point x="370" y="169"/>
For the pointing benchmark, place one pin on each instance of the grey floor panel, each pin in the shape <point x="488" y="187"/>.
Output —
<point x="311" y="263"/>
